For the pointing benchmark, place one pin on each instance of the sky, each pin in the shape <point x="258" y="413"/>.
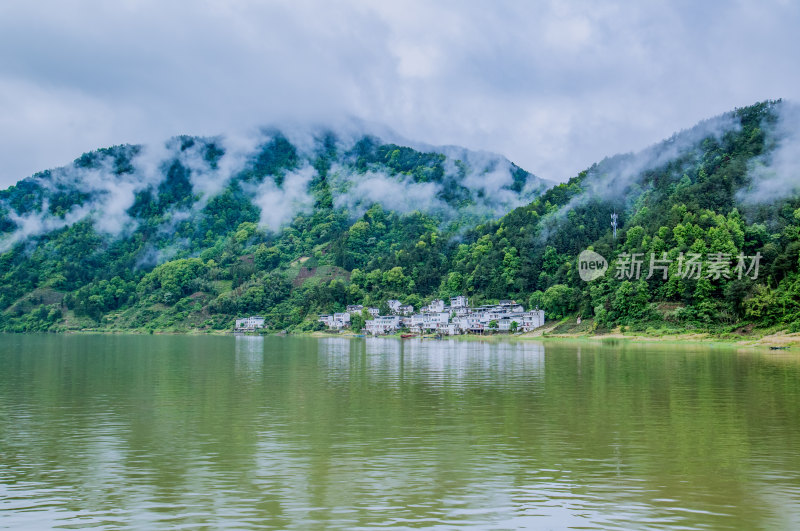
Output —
<point x="552" y="85"/>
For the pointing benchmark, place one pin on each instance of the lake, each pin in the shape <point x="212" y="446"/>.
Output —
<point x="157" y="432"/>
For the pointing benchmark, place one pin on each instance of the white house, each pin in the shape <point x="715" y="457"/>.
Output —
<point x="436" y="305"/>
<point x="394" y="305"/>
<point x="415" y="320"/>
<point x="532" y="319"/>
<point x="461" y="310"/>
<point x="459" y="302"/>
<point x="448" y="329"/>
<point x="510" y="306"/>
<point x="382" y="325"/>
<point x="336" y="321"/>
<point x="468" y="323"/>
<point x="374" y="312"/>
<point x="249" y="323"/>
<point x="406" y="309"/>
<point x="354" y="308"/>
<point x="504" y="324"/>
<point x="494" y="314"/>
<point x="431" y="321"/>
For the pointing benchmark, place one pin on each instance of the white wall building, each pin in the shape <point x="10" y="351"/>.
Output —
<point x="448" y="329"/>
<point x="455" y="319"/>
<point x="432" y="321"/>
<point x="394" y="305"/>
<point x="416" y="320"/>
<point x="336" y="321"/>
<point x="461" y="310"/>
<point x="504" y="324"/>
<point x="382" y="325"/>
<point x="459" y="302"/>
<point x="249" y="323"/>
<point x="436" y="305"/>
<point x="532" y="319"/>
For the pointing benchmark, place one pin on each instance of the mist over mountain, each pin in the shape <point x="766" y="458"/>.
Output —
<point x="295" y="221"/>
<point x="274" y="175"/>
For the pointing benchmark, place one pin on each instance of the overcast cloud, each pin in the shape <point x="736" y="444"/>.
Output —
<point x="553" y="86"/>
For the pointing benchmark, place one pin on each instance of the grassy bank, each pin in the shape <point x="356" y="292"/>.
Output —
<point x="741" y="336"/>
<point x="570" y="329"/>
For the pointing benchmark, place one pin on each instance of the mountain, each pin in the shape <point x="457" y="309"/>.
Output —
<point x="725" y="190"/>
<point x="292" y="223"/>
<point x="72" y="235"/>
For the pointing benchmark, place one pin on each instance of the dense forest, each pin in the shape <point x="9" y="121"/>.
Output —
<point x="191" y="235"/>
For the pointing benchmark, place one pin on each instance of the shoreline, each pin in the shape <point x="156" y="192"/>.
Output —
<point x="779" y="338"/>
<point x="786" y="340"/>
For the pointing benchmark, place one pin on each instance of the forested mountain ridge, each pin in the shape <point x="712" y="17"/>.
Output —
<point x="191" y="235"/>
<point x="80" y="243"/>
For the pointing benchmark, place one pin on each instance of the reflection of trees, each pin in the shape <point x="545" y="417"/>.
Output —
<point x="285" y="429"/>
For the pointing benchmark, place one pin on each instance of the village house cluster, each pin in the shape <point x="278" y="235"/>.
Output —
<point x="457" y="318"/>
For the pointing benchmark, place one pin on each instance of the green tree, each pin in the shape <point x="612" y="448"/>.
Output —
<point x="267" y="258"/>
<point x="395" y="280"/>
<point x="559" y="300"/>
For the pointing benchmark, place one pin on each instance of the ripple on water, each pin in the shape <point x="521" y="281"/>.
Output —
<point x="294" y="433"/>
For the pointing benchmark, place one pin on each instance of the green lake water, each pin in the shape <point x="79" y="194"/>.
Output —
<point x="162" y="432"/>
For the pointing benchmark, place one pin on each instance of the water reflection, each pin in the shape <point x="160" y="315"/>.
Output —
<point x="298" y="433"/>
<point x="249" y="352"/>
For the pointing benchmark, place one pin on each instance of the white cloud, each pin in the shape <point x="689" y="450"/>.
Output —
<point x="776" y="174"/>
<point x="552" y="85"/>
<point x="35" y="223"/>
<point x="279" y="204"/>
<point x="398" y="194"/>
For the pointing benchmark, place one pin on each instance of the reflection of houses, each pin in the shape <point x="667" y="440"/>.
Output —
<point x="248" y="324"/>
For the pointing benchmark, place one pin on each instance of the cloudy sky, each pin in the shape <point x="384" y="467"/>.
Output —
<point x="554" y="86"/>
